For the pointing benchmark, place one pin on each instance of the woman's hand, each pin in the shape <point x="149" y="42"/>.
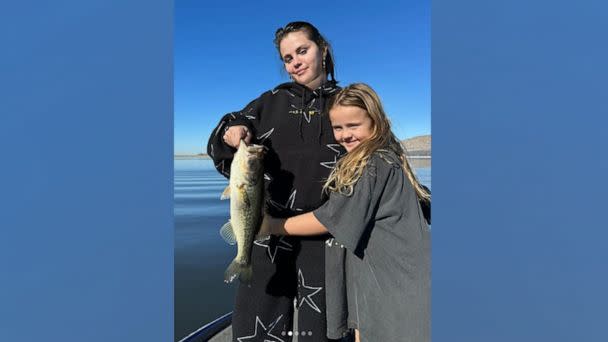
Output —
<point x="270" y="226"/>
<point x="233" y="135"/>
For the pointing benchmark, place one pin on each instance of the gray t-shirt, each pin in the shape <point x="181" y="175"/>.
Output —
<point x="378" y="265"/>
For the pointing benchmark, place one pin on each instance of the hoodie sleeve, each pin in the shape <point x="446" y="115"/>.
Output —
<point x="350" y="218"/>
<point x="217" y="149"/>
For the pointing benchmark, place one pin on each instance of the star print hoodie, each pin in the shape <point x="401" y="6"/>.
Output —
<point x="293" y="122"/>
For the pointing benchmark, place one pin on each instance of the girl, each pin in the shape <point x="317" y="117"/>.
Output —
<point x="378" y="266"/>
<point x="291" y="121"/>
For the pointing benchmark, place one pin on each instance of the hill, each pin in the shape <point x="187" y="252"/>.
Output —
<point x="418" y="146"/>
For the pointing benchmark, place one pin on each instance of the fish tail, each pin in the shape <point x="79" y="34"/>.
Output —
<point x="236" y="269"/>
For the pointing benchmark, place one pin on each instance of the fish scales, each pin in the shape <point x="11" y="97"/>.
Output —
<point x="246" y="188"/>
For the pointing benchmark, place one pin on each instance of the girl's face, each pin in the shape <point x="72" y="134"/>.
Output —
<point x="352" y="125"/>
<point x="303" y="59"/>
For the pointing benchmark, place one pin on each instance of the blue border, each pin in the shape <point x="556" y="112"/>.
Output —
<point x="519" y="169"/>
<point x="87" y="144"/>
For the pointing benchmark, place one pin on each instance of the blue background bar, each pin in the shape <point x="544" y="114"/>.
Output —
<point x="519" y="121"/>
<point x="86" y="137"/>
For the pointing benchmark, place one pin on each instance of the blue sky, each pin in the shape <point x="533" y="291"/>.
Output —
<point x="224" y="58"/>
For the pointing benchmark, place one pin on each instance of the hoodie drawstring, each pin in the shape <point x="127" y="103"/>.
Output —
<point x="301" y="114"/>
<point x="321" y="92"/>
<point x="319" y="120"/>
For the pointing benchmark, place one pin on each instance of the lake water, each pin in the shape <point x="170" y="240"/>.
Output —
<point x="201" y="256"/>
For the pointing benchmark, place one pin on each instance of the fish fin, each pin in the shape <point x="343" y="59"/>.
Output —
<point x="232" y="272"/>
<point x="243" y="195"/>
<point x="227" y="233"/>
<point x="237" y="270"/>
<point x="226" y="193"/>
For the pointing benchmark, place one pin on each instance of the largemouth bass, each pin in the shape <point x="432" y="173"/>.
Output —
<point x="246" y="193"/>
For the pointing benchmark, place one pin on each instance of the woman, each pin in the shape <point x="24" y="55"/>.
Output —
<point x="291" y="120"/>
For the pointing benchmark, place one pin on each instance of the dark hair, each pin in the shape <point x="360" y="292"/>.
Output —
<point x="314" y="35"/>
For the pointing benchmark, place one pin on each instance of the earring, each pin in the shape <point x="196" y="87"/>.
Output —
<point x="324" y="64"/>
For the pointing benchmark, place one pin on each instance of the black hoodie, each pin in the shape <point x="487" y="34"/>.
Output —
<point x="292" y="121"/>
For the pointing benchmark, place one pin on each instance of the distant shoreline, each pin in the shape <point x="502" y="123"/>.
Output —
<point x="191" y="156"/>
<point x="418" y="147"/>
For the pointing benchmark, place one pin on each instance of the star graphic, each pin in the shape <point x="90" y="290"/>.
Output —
<point x="248" y="114"/>
<point x="334" y="147"/>
<point x="272" y="244"/>
<point x="309" y="112"/>
<point x="264" y="333"/>
<point x="220" y="167"/>
<point x="288" y="205"/>
<point x="305" y="293"/>
<point x="219" y="127"/>
<point x="274" y="91"/>
<point x="265" y="136"/>
<point x="330" y="164"/>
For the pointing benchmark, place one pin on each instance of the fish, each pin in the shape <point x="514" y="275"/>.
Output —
<point x="246" y="193"/>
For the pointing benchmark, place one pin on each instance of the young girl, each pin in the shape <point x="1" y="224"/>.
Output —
<point x="378" y="264"/>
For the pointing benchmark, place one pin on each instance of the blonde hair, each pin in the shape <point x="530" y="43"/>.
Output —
<point x="349" y="169"/>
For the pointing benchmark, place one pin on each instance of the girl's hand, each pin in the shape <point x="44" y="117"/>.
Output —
<point x="300" y="225"/>
<point x="233" y="135"/>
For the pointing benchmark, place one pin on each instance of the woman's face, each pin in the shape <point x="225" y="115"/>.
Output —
<point x="303" y="59"/>
<point x="352" y="125"/>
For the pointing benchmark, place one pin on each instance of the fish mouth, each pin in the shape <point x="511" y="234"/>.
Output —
<point x="255" y="149"/>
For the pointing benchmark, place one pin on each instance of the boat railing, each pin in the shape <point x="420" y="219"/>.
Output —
<point x="208" y="331"/>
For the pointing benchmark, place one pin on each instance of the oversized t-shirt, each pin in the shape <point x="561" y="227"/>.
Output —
<point x="378" y="266"/>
